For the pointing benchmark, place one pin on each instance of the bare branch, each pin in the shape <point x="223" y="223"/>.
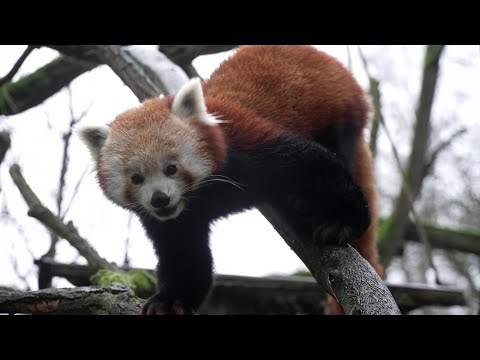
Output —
<point x="356" y="286"/>
<point x="440" y="148"/>
<point x="128" y="70"/>
<point x="75" y="191"/>
<point x="349" y="58"/>
<point x="16" y="269"/>
<point x="17" y="65"/>
<point x="465" y="240"/>
<point x="374" y="90"/>
<point x="114" y="300"/>
<point x="391" y="237"/>
<point x="5" y="142"/>
<point x="183" y="55"/>
<point x="126" y="258"/>
<point x="33" y="89"/>
<point x="410" y="202"/>
<point x="56" y="225"/>
<point x="83" y="52"/>
<point x="154" y="62"/>
<point x="63" y="171"/>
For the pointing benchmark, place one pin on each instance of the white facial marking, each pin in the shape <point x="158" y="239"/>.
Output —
<point x="197" y="165"/>
<point x="116" y="181"/>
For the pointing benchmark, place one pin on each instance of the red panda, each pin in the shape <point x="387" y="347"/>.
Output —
<point x="276" y="124"/>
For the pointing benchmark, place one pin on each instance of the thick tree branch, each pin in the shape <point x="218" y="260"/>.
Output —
<point x="153" y="62"/>
<point x="356" y="285"/>
<point x="56" y="225"/>
<point x="17" y="65"/>
<point x="35" y="88"/>
<point x="341" y="271"/>
<point x="114" y="300"/>
<point x="130" y="71"/>
<point x="82" y="52"/>
<point x="233" y="294"/>
<point x="183" y="55"/>
<point x="63" y="171"/>
<point x="391" y="238"/>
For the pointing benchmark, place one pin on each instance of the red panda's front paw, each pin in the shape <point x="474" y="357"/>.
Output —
<point x="158" y="305"/>
<point x="334" y="233"/>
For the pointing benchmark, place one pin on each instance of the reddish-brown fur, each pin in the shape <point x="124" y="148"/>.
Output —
<point x="266" y="90"/>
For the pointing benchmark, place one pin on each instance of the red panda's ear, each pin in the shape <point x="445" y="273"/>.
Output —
<point x="94" y="137"/>
<point x="189" y="104"/>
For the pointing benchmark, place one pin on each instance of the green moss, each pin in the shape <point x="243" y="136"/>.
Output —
<point x="141" y="282"/>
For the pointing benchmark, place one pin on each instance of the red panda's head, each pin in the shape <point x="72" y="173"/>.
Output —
<point x="150" y="157"/>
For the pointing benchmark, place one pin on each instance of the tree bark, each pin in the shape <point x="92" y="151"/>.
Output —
<point x="233" y="294"/>
<point x="35" y="88"/>
<point x="466" y="240"/>
<point x="390" y="239"/>
<point x="183" y="55"/>
<point x="114" y="300"/>
<point x="377" y="114"/>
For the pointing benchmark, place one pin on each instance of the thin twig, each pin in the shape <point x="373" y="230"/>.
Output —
<point x="420" y="230"/>
<point x="126" y="259"/>
<point x="75" y="191"/>
<point x="65" y="161"/>
<point x="113" y="300"/>
<point x="349" y="58"/>
<point x="56" y="225"/>
<point x="441" y="147"/>
<point x="17" y="65"/>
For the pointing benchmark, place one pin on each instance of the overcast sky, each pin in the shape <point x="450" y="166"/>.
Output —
<point x="242" y="244"/>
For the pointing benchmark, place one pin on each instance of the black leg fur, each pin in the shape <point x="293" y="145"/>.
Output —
<point x="184" y="271"/>
<point x="336" y="212"/>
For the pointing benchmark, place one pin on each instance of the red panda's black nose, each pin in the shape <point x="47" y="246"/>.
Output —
<point x="160" y="199"/>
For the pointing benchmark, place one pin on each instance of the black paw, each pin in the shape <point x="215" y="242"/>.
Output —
<point x="334" y="233"/>
<point x="159" y="305"/>
<point x="345" y="216"/>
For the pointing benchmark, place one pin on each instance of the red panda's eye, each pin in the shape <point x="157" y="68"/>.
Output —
<point x="137" y="179"/>
<point x="171" y="169"/>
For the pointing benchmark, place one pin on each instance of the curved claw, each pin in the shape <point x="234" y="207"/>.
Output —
<point x="158" y="305"/>
<point x="333" y="233"/>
